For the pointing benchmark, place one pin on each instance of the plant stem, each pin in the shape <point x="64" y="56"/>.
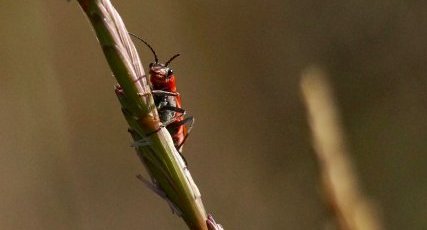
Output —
<point x="153" y="143"/>
<point x="350" y="207"/>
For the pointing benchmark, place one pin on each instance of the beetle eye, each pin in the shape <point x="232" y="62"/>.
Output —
<point x="170" y="72"/>
<point x="151" y="65"/>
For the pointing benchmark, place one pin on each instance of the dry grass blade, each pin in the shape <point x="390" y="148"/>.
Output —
<point x="170" y="177"/>
<point x="349" y="206"/>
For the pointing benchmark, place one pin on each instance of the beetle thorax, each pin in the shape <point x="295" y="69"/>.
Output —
<point x="161" y="78"/>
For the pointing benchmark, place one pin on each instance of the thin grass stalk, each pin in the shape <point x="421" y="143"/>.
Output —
<point x="170" y="177"/>
<point x="351" y="209"/>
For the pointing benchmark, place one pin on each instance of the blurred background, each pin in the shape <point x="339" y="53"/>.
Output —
<point x="65" y="155"/>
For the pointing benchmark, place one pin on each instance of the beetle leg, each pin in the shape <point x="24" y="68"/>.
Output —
<point x="143" y="94"/>
<point x="164" y="93"/>
<point x="189" y="121"/>
<point x="139" y="78"/>
<point x="181" y="112"/>
<point x="173" y="108"/>
<point x="160" y="93"/>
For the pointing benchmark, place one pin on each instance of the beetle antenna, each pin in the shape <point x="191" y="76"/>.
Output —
<point x="170" y="60"/>
<point x="146" y="43"/>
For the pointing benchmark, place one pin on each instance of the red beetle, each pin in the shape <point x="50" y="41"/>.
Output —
<point x="168" y="100"/>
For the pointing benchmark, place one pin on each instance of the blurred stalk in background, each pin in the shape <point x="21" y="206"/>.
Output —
<point x="350" y="209"/>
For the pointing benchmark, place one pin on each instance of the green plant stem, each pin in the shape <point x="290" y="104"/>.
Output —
<point x="155" y="146"/>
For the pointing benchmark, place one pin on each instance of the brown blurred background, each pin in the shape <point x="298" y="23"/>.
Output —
<point x="64" y="150"/>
